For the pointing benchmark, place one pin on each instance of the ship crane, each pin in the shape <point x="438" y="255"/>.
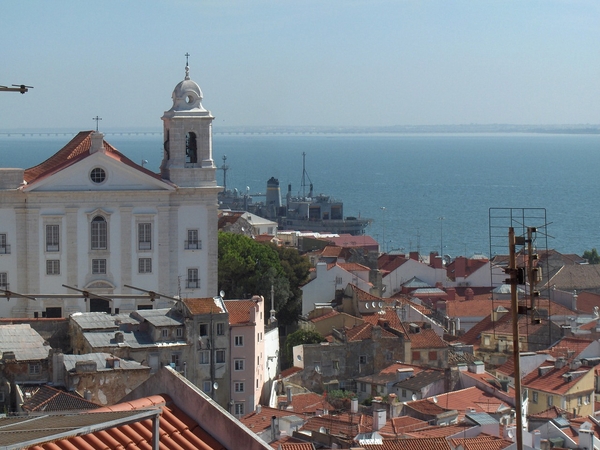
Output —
<point x="16" y="88"/>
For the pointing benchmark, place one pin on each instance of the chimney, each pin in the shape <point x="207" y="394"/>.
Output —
<point x="119" y="337"/>
<point x="450" y="294"/>
<point x="87" y="394"/>
<point x="97" y="143"/>
<point x="460" y="267"/>
<point x="289" y="394"/>
<point x="258" y="408"/>
<point x="274" y="428"/>
<point x="379" y="419"/>
<point x="560" y="362"/>
<point x="414" y="256"/>
<point x="469" y="294"/>
<point x="403" y="374"/>
<point x="435" y="261"/>
<point x="537" y="440"/>
<point x="354" y="406"/>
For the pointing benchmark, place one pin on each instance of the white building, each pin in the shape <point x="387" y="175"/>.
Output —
<point x="90" y="218"/>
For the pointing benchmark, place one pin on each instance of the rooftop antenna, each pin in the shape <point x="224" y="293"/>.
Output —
<point x="17" y="88"/>
<point x="224" y="168"/>
<point x="304" y="176"/>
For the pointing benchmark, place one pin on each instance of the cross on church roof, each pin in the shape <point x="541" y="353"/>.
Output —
<point x="97" y="119"/>
<point x="187" y="66"/>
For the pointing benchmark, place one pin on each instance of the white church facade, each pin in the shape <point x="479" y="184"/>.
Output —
<point x="90" y="219"/>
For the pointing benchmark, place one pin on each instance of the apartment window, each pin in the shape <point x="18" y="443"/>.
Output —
<point x="193" y="243"/>
<point x="175" y="360"/>
<point x="35" y="369"/>
<point x="550" y="400"/>
<point x="203" y="329"/>
<point x="192" y="279"/>
<point x="238" y="364"/>
<point x="362" y="359"/>
<point x="432" y="356"/>
<point x="338" y="280"/>
<point x="239" y="409"/>
<point x="204" y="357"/>
<point x="4" y="247"/>
<point x="486" y="340"/>
<point x="579" y="400"/>
<point x="220" y="356"/>
<point x="99" y="230"/>
<point x="3" y="280"/>
<point x="403" y="393"/>
<point x="239" y="341"/>
<point x="145" y="265"/>
<point x="363" y="387"/>
<point x="588" y="398"/>
<point x="179" y="332"/>
<point x="144" y="236"/>
<point x="52" y="238"/>
<point x="534" y="397"/>
<point x="165" y="332"/>
<point x="238" y="386"/>
<point x="206" y="385"/>
<point x="53" y="267"/>
<point x="220" y="329"/>
<point x="98" y="266"/>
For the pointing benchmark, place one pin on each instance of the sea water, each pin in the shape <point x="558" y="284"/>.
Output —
<point x="424" y="192"/>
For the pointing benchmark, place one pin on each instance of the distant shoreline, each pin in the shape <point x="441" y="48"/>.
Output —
<point x="583" y="129"/>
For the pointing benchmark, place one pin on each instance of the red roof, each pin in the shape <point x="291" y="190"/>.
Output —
<point x="239" y="311"/>
<point x="199" y="306"/>
<point x="177" y="430"/>
<point x="76" y="150"/>
<point x="426" y="339"/>
<point x="305" y="403"/>
<point x="553" y="381"/>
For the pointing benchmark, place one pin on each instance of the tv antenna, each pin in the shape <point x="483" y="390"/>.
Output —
<point x="16" y="88"/>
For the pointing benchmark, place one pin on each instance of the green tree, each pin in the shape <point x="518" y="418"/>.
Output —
<point x="592" y="256"/>
<point x="299" y="337"/>
<point x="247" y="268"/>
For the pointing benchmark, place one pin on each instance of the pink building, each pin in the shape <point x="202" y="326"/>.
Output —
<point x="246" y="331"/>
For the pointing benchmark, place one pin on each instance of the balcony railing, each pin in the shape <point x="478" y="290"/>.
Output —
<point x="193" y="245"/>
<point x="4" y="249"/>
<point x="145" y="245"/>
<point x="192" y="284"/>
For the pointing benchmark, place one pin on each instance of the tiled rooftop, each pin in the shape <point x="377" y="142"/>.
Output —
<point x="200" y="306"/>
<point x="239" y="311"/>
<point x="553" y="380"/>
<point x="49" y="399"/>
<point x="23" y="341"/>
<point x="425" y="339"/>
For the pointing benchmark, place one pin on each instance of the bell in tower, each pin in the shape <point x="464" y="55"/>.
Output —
<point x="187" y="157"/>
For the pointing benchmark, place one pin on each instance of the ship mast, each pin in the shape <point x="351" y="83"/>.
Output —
<point x="304" y="177"/>
<point x="224" y="168"/>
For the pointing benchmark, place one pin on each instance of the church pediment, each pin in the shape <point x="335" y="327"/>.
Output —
<point x="100" y="171"/>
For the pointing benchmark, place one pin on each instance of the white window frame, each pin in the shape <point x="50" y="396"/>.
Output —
<point x="193" y="241"/>
<point x="239" y="364"/>
<point x="4" y="247"/>
<point x="53" y="267"/>
<point x="99" y="233"/>
<point x="193" y="279"/>
<point x="239" y="409"/>
<point x="238" y="341"/>
<point x="220" y="328"/>
<point x="144" y="265"/>
<point x="179" y="332"/>
<point x="35" y="368"/>
<point x="144" y="236"/>
<point x="52" y="237"/>
<point x="99" y="266"/>
<point x="204" y="357"/>
<point x="238" y="387"/>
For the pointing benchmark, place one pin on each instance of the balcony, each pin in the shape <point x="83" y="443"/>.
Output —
<point x="192" y="284"/>
<point x="193" y="245"/>
<point x="5" y="249"/>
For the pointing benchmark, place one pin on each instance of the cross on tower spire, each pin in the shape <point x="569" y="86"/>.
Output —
<point x="187" y="66"/>
<point x="97" y="119"/>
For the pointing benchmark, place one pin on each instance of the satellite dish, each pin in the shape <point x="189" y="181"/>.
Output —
<point x="373" y="305"/>
<point x="222" y="294"/>
<point x="215" y="385"/>
<point x="434" y="399"/>
<point x="510" y="434"/>
<point x="380" y="304"/>
<point x="366" y="305"/>
<point x="414" y="397"/>
<point x="318" y="369"/>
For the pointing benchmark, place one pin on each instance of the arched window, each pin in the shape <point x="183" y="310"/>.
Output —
<point x="191" y="148"/>
<point x="99" y="233"/>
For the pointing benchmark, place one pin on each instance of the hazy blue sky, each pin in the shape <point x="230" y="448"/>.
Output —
<point x="337" y="62"/>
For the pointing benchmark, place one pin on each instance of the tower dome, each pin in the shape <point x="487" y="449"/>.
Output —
<point x="187" y="95"/>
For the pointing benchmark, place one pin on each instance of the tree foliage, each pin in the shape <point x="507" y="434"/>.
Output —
<point x="299" y="337"/>
<point x="592" y="256"/>
<point x="248" y="268"/>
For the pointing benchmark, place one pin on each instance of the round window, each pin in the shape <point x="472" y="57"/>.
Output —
<point x="98" y="175"/>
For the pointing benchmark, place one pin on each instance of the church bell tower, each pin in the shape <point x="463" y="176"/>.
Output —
<point x="187" y="157"/>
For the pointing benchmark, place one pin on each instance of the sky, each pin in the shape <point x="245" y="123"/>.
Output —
<point x="302" y="62"/>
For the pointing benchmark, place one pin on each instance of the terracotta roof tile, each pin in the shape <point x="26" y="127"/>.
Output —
<point x="481" y="442"/>
<point x="330" y="314"/>
<point x="437" y="443"/>
<point x="49" y="399"/>
<point x="199" y="306"/>
<point x="331" y="251"/>
<point x="260" y="421"/>
<point x="353" y="267"/>
<point x="306" y="403"/>
<point x="76" y="150"/>
<point x="440" y="430"/>
<point x="553" y="381"/>
<point x="239" y="311"/>
<point x="569" y="347"/>
<point x="426" y="339"/>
